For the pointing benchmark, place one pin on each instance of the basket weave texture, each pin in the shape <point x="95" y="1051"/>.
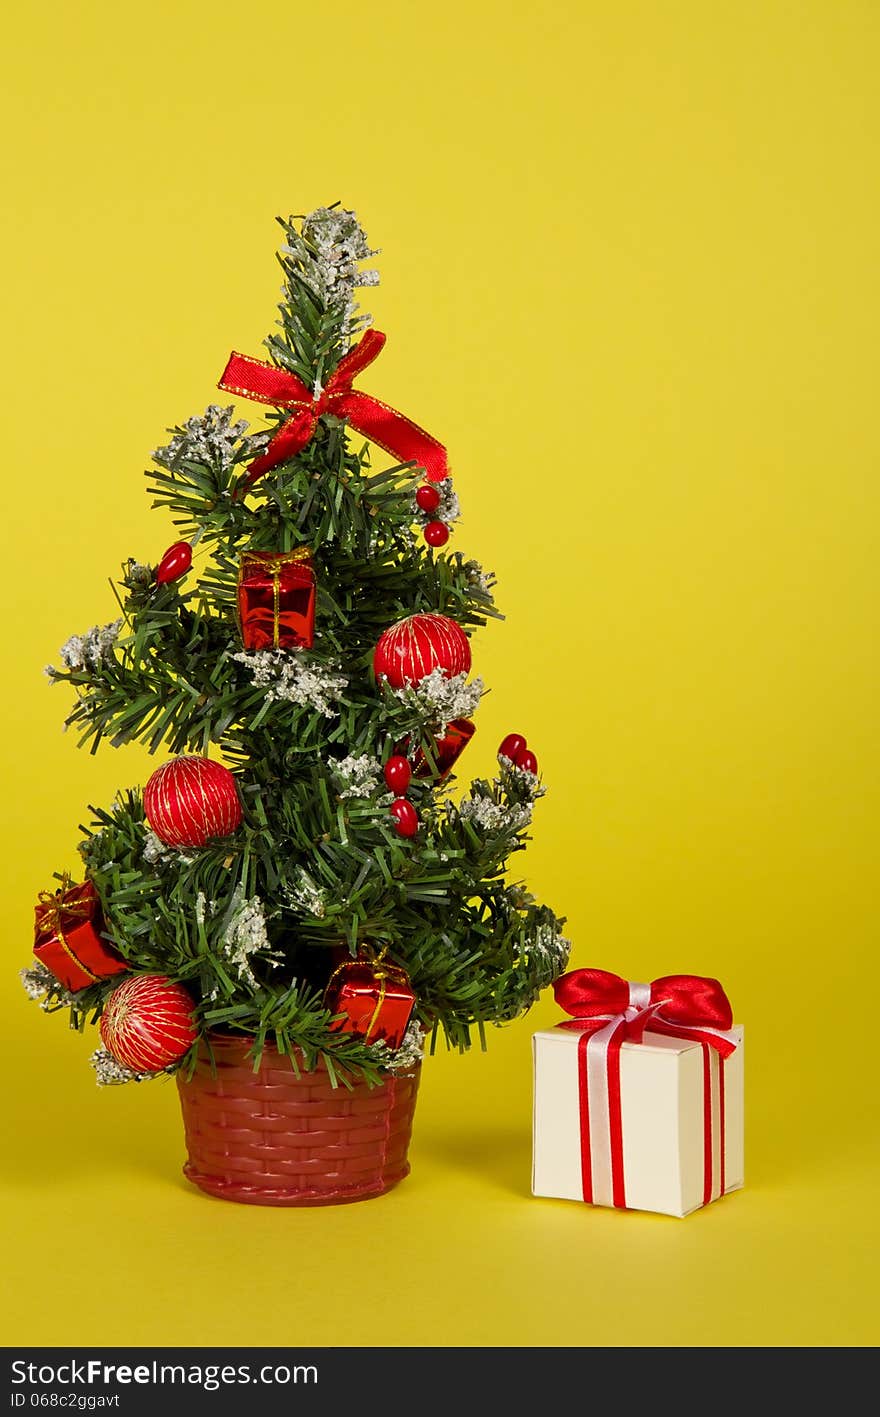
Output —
<point x="272" y="1138"/>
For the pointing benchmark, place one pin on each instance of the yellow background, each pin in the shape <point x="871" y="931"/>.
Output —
<point x="630" y="277"/>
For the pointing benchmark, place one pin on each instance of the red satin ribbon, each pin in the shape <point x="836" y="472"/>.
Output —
<point x="609" y="1011"/>
<point x="266" y="383"/>
<point x="686" y="999"/>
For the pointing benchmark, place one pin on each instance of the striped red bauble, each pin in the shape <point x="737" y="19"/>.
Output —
<point x="412" y="648"/>
<point x="189" y="800"/>
<point x="148" y="1023"/>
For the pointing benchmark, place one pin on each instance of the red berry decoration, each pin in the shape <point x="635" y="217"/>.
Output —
<point x="427" y="498"/>
<point x="406" y="821"/>
<point x="397" y="774"/>
<point x="409" y="650"/>
<point x="436" y="533"/>
<point x="148" y="1023"/>
<point x="175" y="563"/>
<point x="528" y="762"/>
<point x="189" y="800"/>
<point x="512" y="747"/>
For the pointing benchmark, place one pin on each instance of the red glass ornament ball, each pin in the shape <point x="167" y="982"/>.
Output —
<point x="409" y="650"/>
<point x="512" y="747"/>
<point x="397" y="774"/>
<point x="406" y="821"/>
<point x="528" y="762"/>
<point x="436" y="533"/>
<point x="427" y="498"/>
<point x="189" y="800"/>
<point x="175" y="563"/>
<point x="148" y="1023"/>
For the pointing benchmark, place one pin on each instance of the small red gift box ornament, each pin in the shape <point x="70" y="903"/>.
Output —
<point x="276" y="599"/>
<point x="447" y="750"/>
<point x="375" y="999"/>
<point x="67" y="939"/>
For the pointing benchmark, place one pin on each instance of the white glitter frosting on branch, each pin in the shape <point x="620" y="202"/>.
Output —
<point x="88" y="651"/>
<point x="155" y="850"/>
<point x="549" y="942"/>
<point x="307" y="895"/>
<point x="37" y="981"/>
<point x="523" y="778"/>
<point x="108" y="1072"/>
<point x="483" y="580"/>
<point x="212" y="440"/>
<point x="286" y="676"/>
<point x="333" y="243"/>
<point x="245" y="933"/>
<point x="443" y="699"/>
<point x="410" y="1052"/>
<point x="495" y="816"/>
<point x="357" y="776"/>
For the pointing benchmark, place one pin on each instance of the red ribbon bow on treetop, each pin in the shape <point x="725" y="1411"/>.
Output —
<point x="683" y="1005"/>
<point x="266" y="383"/>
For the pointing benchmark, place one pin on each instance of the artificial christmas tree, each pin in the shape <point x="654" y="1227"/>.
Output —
<point x="294" y="920"/>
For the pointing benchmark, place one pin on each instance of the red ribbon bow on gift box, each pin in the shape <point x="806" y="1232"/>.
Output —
<point x="683" y="1005"/>
<point x="608" y="1011"/>
<point x="266" y="383"/>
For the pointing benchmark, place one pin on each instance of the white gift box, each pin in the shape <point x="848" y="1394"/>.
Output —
<point x="681" y="1123"/>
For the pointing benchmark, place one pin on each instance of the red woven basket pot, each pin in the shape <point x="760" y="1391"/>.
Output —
<point x="272" y="1138"/>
